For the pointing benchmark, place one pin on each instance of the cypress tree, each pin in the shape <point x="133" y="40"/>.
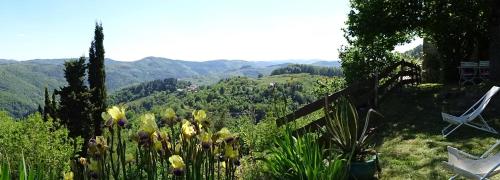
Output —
<point x="97" y="77"/>
<point x="40" y="109"/>
<point x="53" y="106"/>
<point x="75" y="106"/>
<point x="47" y="106"/>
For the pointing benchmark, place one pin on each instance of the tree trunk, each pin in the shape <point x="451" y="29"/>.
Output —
<point x="494" y="33"/>
<point x="430" y="62"/>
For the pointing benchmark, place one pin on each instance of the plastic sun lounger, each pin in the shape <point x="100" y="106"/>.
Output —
<point x="470" y="166"/>
<point x="470" y="115"/>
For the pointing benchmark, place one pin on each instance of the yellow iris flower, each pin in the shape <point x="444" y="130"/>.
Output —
<point x="224" y="135"/>
<point x="199" y="115"/>
<point x="148" y="123"/>
<point x="188" y="130"/>
<point x="206" y="140"/>
<point x="115" y="115"/>
<point x="68" y="176"/>
<point x="231" y="152"/>
<point x="200" y="118"/>
<point x="116" y="112"/>
<point x="177" y="164"/>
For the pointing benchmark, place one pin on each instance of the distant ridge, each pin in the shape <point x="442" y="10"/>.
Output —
<point x="22" y="82"/>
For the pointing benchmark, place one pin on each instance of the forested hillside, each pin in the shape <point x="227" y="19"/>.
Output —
<point x="168" y="85"/>
<point x="231" y="97"/>
<point x="310" y="69"/>
<point x="22" y="82"/>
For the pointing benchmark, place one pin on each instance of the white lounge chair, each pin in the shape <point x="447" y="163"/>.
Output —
<point x="471" y="114"/>
<point x="470" y="166"/>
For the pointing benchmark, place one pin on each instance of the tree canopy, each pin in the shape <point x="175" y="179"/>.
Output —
<point x="375" y="27"/>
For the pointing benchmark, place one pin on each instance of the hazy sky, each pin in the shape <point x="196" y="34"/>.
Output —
<point x="177" y="29"/>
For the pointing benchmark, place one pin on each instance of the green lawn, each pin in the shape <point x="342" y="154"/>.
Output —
<point x="409" y="140"/>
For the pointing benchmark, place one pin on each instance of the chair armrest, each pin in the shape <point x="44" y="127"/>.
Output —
<point x="461" y="153"/>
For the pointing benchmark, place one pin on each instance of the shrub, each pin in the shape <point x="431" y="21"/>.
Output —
<point x="44" y="144"/>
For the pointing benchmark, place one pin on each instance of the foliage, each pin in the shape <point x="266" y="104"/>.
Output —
<point x="416" y="53"/>
<point x="343" y="126"/>
<point x="327" y="86"/>
<point x="145" y="89"/>
<point x="234" y="97"/>
<point x="41" y="144"/>
<point x="303" y="158"/>
<point x="97" y="78"/>
<point x="457" y="29"/>
<point x="310" y="69"/>
<point x="359" y="62"/>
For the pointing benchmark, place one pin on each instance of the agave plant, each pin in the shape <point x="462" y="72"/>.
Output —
<point x="343" y="126"/>
<point x="303" y="158"/>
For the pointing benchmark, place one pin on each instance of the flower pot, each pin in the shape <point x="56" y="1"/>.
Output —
<point x="364" y="169"/>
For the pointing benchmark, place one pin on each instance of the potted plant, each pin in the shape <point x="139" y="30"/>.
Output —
<point x="344" y="127"/>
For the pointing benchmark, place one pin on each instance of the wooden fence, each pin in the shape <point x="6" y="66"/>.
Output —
<point x="366" y="93"/>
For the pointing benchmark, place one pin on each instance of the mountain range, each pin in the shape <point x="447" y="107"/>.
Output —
<point x="22" y="82"/>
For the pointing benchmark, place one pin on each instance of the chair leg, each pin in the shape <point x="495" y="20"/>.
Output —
<point x="445" y="128"/>
<point x="487" y="125"/>
<point x="453" y="177"/>
<point x="482" y="125"/>
<point x="449" y="132"/>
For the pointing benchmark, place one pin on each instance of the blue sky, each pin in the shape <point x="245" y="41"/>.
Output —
<point x="178" y="29"/>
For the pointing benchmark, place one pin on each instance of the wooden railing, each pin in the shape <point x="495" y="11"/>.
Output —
<point x="366" y="93"/>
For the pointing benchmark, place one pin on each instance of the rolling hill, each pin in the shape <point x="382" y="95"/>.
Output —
<point x="22" y="82"/>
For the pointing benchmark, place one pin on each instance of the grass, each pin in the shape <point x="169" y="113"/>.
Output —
<point x="409" y="139"/>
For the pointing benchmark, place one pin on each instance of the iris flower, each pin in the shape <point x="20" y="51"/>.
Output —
<point x="231" y="152"/>
<point x="82" y="161"/>
<point x="97" y="146"/>
<point x="177" y="164"/>
<point x="148" y="124"/>
<point x="224" y="135"/>
<point x="206" y="140"/>
<point x="117" y="115"/>
<point x="68" y="176"/>
<point x="169" y="116"/>
<point x="188" y="130"/>
<point x="161" y="141"/>
<point x="201" y="118"/>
